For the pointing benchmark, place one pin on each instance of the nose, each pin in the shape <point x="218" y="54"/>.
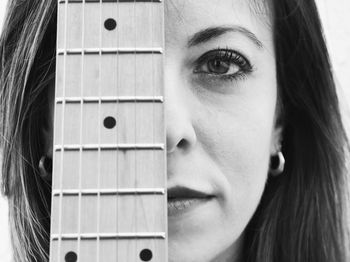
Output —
<point x="180" y="133"/>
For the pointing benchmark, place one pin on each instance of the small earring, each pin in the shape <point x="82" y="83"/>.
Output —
<point x="277" y="164"/>
<point x="45" y="167"/>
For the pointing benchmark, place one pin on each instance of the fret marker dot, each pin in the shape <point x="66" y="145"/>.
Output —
<point x="110" y="24"/>
<point x="109" y="122"/>
<point x="146" y="255"/>
<point x="71" y="257"/>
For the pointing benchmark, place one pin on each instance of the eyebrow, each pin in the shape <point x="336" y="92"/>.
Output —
<point x="207" y="34"/>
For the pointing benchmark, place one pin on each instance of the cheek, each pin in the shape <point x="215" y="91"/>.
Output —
<point x="238" y="142"/>
<point x="243" y="158"/>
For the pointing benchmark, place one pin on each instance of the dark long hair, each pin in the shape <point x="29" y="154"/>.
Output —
<point x="301" y="216"/>
<point x="27" y="52"/>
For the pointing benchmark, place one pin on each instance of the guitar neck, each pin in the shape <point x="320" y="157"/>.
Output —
<point x="109" y="165"/>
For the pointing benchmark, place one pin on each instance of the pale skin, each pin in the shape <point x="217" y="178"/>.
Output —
<point x="220" y="121"/>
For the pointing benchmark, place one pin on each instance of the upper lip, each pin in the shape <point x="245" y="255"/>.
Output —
<point x="184" y="192"/>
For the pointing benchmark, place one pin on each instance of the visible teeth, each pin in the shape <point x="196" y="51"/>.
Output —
<point x="180" y="204"/>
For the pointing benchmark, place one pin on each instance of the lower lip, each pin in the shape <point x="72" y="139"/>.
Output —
<point x="180" y="206"/>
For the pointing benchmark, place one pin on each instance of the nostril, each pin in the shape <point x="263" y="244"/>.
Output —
<point x="182" y="144"/>
<point x="180" y="135"/>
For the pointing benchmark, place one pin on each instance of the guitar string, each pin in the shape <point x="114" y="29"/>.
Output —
<point x="135" y="123"/>
<point x="81" y="126"/>
<point x="62" y="130"/>
<point x="152" y="225"/>
<point x="99" y="133"/>
<point x="152" y="228"/>
<point x="163" y="161"/>
<point x="117" y="129"/>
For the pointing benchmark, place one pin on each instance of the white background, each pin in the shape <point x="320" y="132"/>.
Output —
<point x="336" y="21"/>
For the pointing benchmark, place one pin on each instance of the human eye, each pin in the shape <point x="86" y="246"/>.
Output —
<point x="223" y="64"/>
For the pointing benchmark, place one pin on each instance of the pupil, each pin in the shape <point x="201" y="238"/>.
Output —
<point x="218" y="67"/>
<point x="217" y="63"/>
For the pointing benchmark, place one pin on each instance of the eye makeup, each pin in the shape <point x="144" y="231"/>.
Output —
<point x="223" y="64"/>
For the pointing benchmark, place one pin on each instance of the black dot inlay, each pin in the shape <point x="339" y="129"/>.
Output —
<point x="71" y="257"/>
<point x="110" y="24"/>
<point x="146" y="255"/>
<point x="109" y="122"/>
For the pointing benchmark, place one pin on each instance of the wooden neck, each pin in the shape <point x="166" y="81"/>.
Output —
<point x="109" y="165"/>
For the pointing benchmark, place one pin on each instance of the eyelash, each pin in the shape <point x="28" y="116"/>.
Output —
<point x="226" y="55"/>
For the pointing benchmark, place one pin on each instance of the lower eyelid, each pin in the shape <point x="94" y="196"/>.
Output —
<point x="207" y="84"/>
<point x="215" y="78"/>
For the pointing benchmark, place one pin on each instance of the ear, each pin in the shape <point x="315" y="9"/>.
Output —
<point x="47" y="136"/>
<point x="47" y="130"/>
<point x="276" y="140"/>
<point x="45" y="163"/>
<point x="48" y="140"/>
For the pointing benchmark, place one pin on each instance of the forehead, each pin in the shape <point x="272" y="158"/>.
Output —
<point x="186" y="17"/>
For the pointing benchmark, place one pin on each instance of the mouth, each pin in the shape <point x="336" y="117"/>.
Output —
<point x="182" y="200"/>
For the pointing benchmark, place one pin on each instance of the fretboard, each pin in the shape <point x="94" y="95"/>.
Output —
<point x="109" y="164"/>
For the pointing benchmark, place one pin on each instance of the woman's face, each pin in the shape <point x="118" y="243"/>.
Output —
<point x="220" y="102"/>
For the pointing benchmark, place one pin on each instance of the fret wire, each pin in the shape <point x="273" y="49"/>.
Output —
<point x="110" y="99"/>
<point x="110" y="51"/>
<point x="87" y="147"/>
<point x="109" y="236"/>
<point x="108" y="192"/>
